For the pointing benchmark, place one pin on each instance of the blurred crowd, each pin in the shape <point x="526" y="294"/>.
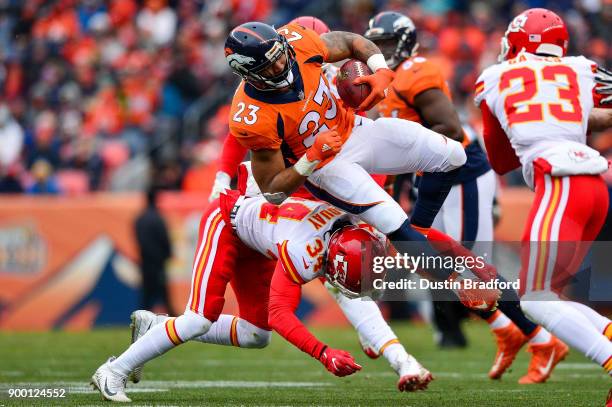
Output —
<point x="119" y="94"/>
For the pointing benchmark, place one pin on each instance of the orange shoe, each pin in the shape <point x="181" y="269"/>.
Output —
<point x="510" y="340"/>
<point x="545" y="358"/>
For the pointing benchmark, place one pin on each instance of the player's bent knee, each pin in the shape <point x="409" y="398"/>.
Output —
<point x="387" y="216"/>
<point x="457" y="156"/>
<point x="251" y="336"/>
<point x="190" y="325"/>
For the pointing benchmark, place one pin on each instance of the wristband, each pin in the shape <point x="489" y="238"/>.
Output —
<point x="376" y="62"/>
<point x="322" y="352"/>
<point x="305" y="167"/>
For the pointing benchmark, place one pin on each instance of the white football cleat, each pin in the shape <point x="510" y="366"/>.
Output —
<point x="110" y="383"/>
<point x="142" y="321"/>
<point x="413" y="376"/>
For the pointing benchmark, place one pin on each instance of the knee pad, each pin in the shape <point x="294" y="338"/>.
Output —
<point x="251" y="336"/>
<point x="387" y="216"/>
<point x="189" y="325"/>
<point x="457" y="155"/>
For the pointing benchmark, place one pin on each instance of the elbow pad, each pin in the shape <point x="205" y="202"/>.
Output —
<point x="275" y="198"/>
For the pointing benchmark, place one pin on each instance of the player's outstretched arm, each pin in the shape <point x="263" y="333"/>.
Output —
<point x="285" y="297"/>
<point x="600" y="119"/>
<point x="278" y="182"/>
<point x="342" y="45"/>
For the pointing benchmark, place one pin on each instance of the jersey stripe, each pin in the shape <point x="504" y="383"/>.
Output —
<point x="285" y="259"/>
<point x="197" y="281"/>
<point x="545" y="234"/>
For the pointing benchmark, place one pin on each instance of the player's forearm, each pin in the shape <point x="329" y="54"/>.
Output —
<point x="342" y="45"/>
<point x="283" y="184"/>
<point x="600" y="119"/>
<point x="438" y="113"/>
<point x="285" y="297"/>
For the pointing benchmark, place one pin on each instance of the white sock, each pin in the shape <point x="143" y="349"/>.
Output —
<point x="571" y="326"/>
<point x="366" y="318"/>
<point x="152" y="344"/>
<point x="599" y="321"/>
<point x="397" y="356"/>
<point x="498" y="320"/>
<point x="159" y="339"/>
<point x="230" y="330"/>
<point x="541" y="336"/>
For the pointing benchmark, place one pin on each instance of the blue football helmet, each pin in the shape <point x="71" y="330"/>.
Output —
<point x="395" y="34"/>
<point x="252" y="47"/>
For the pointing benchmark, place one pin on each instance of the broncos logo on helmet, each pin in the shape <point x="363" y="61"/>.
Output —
<point x="395" y="34"/>
<point x="251" y="48"/>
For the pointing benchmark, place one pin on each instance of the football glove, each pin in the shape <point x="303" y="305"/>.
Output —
<point x="327" y="144"/>
<point x="603" y="79"/>
<point x="339" y="362"/>
<point x="222" y="182"/>
<point x="379" y="81"/>
<point x="479" y="299"/>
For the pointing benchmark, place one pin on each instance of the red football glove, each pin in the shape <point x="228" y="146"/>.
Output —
<point x="379" y="81"/>
<point x="339" y="362"/>
<point x="327" y="144"/>
<point x="479" y="299"/>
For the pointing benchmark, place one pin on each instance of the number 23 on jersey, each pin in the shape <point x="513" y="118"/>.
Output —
<point x="519" y="107"/>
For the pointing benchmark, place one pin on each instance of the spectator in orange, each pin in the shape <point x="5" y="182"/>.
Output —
<point x="60" y="24"/>
<point x="104" y="115"/>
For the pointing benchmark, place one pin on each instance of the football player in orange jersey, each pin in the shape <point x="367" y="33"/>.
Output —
<point x="419" y="92"/>
<point x="299" y="133"/>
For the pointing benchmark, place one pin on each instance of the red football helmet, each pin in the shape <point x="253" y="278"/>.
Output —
<point x="537" y="31"/>
<point x="351" y="252"/>
<point x="313" y="23"/>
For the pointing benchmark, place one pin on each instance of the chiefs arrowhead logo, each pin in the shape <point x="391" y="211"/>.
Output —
<point x="325" y="148"/>
<point x="340" y="266"/>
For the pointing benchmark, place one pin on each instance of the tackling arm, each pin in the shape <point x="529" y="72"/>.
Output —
<point x="278" y="182"/>
<point x="284" y="299"/>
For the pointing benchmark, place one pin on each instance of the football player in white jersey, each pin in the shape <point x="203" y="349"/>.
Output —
<point x="536" y="104"/>
<point x="240" y="240"/>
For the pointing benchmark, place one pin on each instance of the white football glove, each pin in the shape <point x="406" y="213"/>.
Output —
<point x="603" y="77"/>
<point x="222" y="182"/>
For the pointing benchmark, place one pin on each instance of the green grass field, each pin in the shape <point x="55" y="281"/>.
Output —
<point x="199" y="374"/>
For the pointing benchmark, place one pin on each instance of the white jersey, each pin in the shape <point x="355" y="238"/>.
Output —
<point x="296" y="232"/>
<point x="540" y="102"/>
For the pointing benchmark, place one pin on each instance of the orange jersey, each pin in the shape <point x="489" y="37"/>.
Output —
<point x="290" y="120"/>
<point x="412" y="77"/>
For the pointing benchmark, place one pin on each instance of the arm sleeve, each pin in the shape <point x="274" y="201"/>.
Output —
<point x="232" y="155"/>
<point x="285" y="297"/>
<point x="499" y="150"/>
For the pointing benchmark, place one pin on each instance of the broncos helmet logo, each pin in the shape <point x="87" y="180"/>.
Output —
<point x="237" y="59"/>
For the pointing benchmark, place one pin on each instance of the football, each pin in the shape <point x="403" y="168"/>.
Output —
<point x="352" y="95"/>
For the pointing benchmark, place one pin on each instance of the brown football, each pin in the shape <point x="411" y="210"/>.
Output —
<point x="352" y="95"/>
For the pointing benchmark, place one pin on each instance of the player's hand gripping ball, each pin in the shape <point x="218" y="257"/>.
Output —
<point x="353" y="95"/>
